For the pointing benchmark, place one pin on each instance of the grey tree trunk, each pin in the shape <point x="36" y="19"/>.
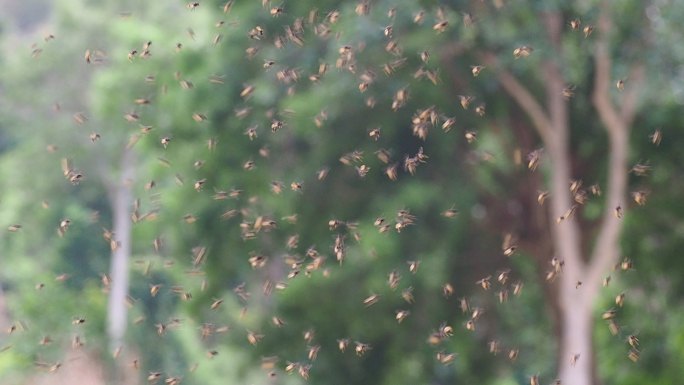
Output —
<point x="121" y="201"/>
<point x="577" y="302"/>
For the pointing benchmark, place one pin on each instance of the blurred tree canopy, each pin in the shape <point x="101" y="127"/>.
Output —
<point x="338" y="192"/>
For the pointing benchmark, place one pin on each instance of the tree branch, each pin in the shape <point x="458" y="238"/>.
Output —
<point x="523" y="97"/>
<point x="606" y="251"/>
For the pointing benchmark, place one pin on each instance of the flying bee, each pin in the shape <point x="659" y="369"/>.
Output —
<point x="296" y="186"/>
<point x="165" y="141"/>
<point x="641" y="169"/>
<point x="254" y="338"/>
<point x="400" y="98"/>
<point x="447" y="290"/>
<point x="470" y="136"/>
<point x="309" y="335"/>
<point x="249" y="165"/>
<point x="407" y="295"/>
<point x="70" y="173"/>
<point x="502" y="295"/>
<point x="154" y="290"/>
<point x="640" y="197"/>
<point x="476" y="70"/>
<point x="342" y="344"/>
<point x="374" y="133"/>
<point x="371" y="300"/>
<point x="568" y="92"/>
<point x="132" y="117"/>
<point x="257" y="261"/>
<point x="567" y="214"/>
<point x="200" y="184"/>
<point x="522" y="51"/>
<point x="494" y="347"/>
<point x="485" y="282"/>
<point x="419" y="17"/>
<point x="63" y="227"/>
<point x="413" y="266"/>
<point x="513" y="354"/>
<point x="533" y="159"/>
<point x="450" y="213"/>
<point x="322" y="173"/>
<point x="362" y="8"/>
<point x="361" y="348"/>
<point x="383" y="155"/>
<point x="197" y="117"/>
<point x="277" y="321"/>
<point x="446" y="358"/>
<point x="633" y="341"/>
<point x="588" y="30"/>
<point x="573" y="360"/>
<point x="633" y="355"/>
<point x="534" y="380"/>
<point x="256" y="33"/>
<point x="448" y="124"/>
<point x="609" y="314"/>
<point x="276" y="125"/>
<point x="465" y="100"/>
<point x="509" y="245"/>
<point x="391" y="172"/>
<point x="277" y="11"/>
<point x="445" y="330"/>
<point x="464" y="305"/>
<point x="192" y="5"/>
<point x="441" y="26"/>
<point x="626" y="264"/>
<point x="292" y="366"/>
<point x="618" y="212"/>
<point x="216" y="304"/>
<point x="477" y="312"/>
<point x="575" y="24"/>
<point x="247" y="91"/>
<point x="470" y="325"/>
<point x="656" y="137"/>
<point x="401" y="315"/>
<point x="313" y="352"/>
<point x="620" y="84"/>
<point x="620" y="299"/>
<point x="480" y="110"/>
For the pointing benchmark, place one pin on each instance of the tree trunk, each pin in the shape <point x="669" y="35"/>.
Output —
<point x="575" y="361"/>
<point x="576" y="302"/>
<point x="4" y="312"/>
<point x="121" y="200"/>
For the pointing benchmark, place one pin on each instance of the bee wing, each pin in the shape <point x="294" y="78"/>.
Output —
<point x="66" y="166"/>
<point x="509" y="240"/>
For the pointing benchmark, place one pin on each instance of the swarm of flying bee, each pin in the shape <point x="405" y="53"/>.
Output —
<point x="273" y="269"/>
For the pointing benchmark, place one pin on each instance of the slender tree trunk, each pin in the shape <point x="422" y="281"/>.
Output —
<point x="4" y="313"/>
<point x="121" y="200"/>
<point x="576" y="302"/>
<point x="576" y="348"/>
